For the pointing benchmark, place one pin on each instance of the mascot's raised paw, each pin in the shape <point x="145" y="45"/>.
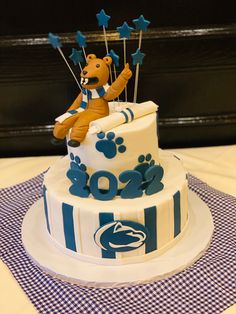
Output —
<point x="126" y="73"/>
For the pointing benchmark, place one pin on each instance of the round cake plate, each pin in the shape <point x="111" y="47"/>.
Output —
<point x="185" y="252"/>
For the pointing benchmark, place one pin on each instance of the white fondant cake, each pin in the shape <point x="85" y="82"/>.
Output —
<point x="117" y="199"/>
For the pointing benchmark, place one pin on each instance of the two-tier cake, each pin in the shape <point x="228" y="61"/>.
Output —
<point x="115" y="201"/>
<point x="117" y="198"/>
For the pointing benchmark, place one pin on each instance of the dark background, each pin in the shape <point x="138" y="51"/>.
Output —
<point x="189" y="68"/>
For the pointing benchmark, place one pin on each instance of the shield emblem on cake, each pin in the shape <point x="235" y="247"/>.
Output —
<point x="121" y="236"/>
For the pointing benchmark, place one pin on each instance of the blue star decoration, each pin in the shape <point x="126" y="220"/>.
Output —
<point x="103" y="18"/>
<point x="138" y="57"/>
<point x="76" y="56"/>
<point x="115" y="57"/>
<point x="80" y="39"/>
<point x="124" y="30"/>
<point x="54" y="41"/>
<point x="141" y="24"/>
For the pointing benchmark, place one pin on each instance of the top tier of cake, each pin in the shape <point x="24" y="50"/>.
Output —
<point x="115" y="156"/>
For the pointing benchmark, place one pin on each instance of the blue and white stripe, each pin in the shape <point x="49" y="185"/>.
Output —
<point x="68" y="226"/>
<point x="128" y="114"/>
<point x="75" y="227"/>
<point x="88" y="94"/>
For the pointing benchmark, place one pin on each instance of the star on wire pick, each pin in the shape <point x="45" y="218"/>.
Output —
<point x="54" y="41"/>
<point x="141" y="24"/>
<point x="76" y="56"/>
<point x="115" y="57"/>
<point x="103" y="18"/>
<point x="80" y="39"/>
<point x="138" y="57"/>
<point x="124" y="30"/>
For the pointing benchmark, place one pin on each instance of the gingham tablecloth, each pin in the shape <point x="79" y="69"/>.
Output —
<point x="208" y="286"/>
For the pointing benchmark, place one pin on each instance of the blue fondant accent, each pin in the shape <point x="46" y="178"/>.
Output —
<point x="131" y="113"/>
<point x="115" y="57"/>
<point x="68" y="224"/>
<point x="125" y="30"/>
<point x="46" y="208"/>
<point x="108" y="146"/>
<point x="150" y="218"/>
<point x="138" y="57"/>
<point x="105" y="191"/>
<point x="143" y="177"/>
<point x="142" y="168"/>
<point x="121" y="236"/>
<point x="133" y="187"/>
<point x="126" y="116"/>
<point x="105" y="218"/>
<point x="54" y="40"/>
<point x="177" y="214"/>
<point x="119" y="140"/>
<point x="83" y="167"/>
<point x="80" y="56"/>
<point x="144" y="164"/>
<point x="101" y="91"/>
<point x="74" y="166"/>
<point x="89" y="94"/>
<point x="83" y="105"/>
<point x="110" y="135"/>
<point x="77" y="159"/>
<point x="101" y="135"/>
<point x="141" y="24"/>
<point x="113" y="185"/>
<point x="76" y="56"/>
<point x="76" y="163"/>
<point x="152" y="163"/>
<point x="154" y="175"/>
<point x="103" y="18"/>
<point x="141" y="158"/>
<point x="122" y="149"/>
<point x="80" y="39"/>
<point x="148" y="157"/>
<point x="79" y="181"/>
<point x="72" y="111"/>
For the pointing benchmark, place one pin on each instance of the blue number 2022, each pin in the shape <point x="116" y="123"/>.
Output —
<point x="153" y="175"/>
<point x="98" y="193"/>
<point x="133" y="187"/>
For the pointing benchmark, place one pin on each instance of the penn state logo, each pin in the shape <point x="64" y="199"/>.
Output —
<point x="121" y="236"/>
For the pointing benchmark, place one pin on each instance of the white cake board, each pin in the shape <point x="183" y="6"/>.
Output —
<point x="187" y="250"/>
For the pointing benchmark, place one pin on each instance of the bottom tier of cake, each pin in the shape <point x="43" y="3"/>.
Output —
<point x="119" y="231"/>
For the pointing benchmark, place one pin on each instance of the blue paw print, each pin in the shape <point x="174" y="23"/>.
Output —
<point x="108" y="145"/>
<point x="78" y="177"/>
<point x="76" y="163"/>
<point x="145" y="162"/>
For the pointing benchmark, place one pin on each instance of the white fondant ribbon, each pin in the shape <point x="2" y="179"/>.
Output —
<point x="132" y="112"/>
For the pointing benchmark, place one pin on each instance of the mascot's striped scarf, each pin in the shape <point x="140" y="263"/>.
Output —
<point x="92" y="94"/>
<point x="87" y="94"/>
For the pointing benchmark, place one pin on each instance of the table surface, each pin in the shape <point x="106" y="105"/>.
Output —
<point x="214" y="165"/>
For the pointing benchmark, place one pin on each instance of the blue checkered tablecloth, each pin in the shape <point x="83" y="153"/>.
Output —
<point x="206" y="287"/>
